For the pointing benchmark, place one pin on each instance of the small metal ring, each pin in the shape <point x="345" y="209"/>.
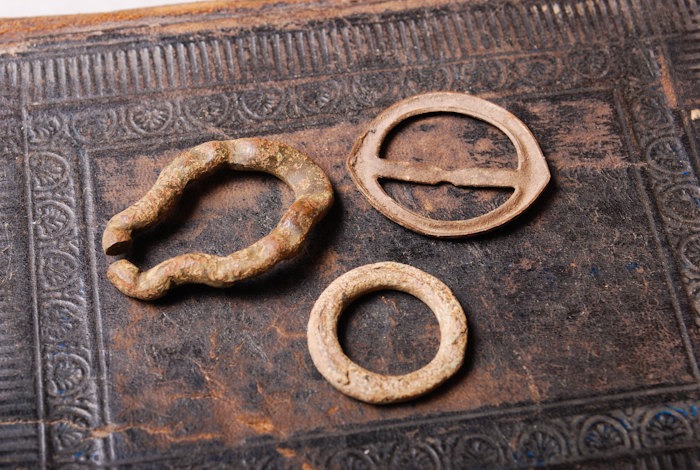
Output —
<point x="360" y="383"/>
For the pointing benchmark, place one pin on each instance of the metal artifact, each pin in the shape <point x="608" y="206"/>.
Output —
<point x="528" y="180"/>
<point x="360" y="383"/>
<point x="312" y="190"/>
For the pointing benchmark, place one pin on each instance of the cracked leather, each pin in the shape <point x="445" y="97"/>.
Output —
<point x="583" y="311"/>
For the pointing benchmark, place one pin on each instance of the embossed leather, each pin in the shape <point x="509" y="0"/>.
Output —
<point x="583" y="313"/>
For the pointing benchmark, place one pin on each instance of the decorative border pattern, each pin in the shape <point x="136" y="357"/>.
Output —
<point x="684" y="55"/>
<point x="675" y="186"/>
<point x="550" y="441"/>
<point x="283" y="106"/>
<point x="423" y="36"/>
<point x="19" y="408"/>
<point x="72" y="402"/>
<point x="432" y="49"/>
<point x="637" y="432"/>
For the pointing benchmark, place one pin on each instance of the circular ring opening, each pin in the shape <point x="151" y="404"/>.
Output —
<point x="365" y="385"/>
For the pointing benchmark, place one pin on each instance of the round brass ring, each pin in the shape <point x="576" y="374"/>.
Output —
<point x="528" y="180"/>
<point x="365" y="385"/>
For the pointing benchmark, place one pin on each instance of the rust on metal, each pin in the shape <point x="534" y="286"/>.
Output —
<point x="313" y="198"/>
<point x="360" y="383"/>
<point x="528" y="180"/>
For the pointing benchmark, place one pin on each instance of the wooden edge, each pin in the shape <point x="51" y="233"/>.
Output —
<point x="189" y="17"/>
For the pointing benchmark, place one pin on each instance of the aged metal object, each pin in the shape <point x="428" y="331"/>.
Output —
<point x="528" y="180"/>
<point x="360" y="383"/>
<point x="314" y="197"/>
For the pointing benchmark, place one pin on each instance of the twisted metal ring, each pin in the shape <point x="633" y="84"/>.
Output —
<point x="312" y="190"/>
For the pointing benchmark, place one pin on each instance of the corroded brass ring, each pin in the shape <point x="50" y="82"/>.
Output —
<point x="368" y="386"/>
<point x="312" y="190"/>
<point x="528" y="180"/>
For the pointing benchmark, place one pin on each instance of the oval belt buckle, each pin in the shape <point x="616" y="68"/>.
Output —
<point x="313" y="198"/>
<point x="528" y="180"/>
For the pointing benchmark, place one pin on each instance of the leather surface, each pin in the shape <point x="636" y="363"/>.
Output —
<point x="583" y="312"/>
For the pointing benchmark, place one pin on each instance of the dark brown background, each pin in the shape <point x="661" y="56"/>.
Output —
<point x="582" y="312"/>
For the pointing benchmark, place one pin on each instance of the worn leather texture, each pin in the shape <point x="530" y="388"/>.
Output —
<point x="583" y="313"/>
